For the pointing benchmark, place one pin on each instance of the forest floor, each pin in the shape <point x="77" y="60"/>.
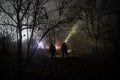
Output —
<point x="88" y="67"/>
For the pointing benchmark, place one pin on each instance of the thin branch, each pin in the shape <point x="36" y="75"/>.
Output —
<point x="8" y="14"/>
<point x="6" y="24"/>
<point x="45" y="33"/>
<point x="28" y="6"/>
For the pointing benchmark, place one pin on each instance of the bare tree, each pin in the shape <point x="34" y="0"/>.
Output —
<point x="33" y="15"/>
<point x="91" y="14"/>
<point x="17" y="12"/>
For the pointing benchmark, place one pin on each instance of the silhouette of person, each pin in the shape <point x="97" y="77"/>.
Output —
<point x="52" y="50"/>
<point x="64" y="49"/>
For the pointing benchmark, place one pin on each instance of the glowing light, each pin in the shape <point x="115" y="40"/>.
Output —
<point x="74" y="28"/>
<point x="71" y="33"/>
<point x="69" y="51"/>
<point x="67" y="37"/>
<point x="40" y="45"/>
<point x="57" y="47"/>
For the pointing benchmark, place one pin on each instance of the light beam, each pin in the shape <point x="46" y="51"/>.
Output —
<point x="71" y="33"/>
<point x="73" y="30"/>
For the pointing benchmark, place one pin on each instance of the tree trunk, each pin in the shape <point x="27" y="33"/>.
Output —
<point x="19" y="49"/>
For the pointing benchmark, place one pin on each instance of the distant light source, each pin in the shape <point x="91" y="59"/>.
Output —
<point x="40" y="44"/>
<point x="57" y="47"/>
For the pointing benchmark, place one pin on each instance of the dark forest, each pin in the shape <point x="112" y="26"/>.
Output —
<point x="59" y="39"/>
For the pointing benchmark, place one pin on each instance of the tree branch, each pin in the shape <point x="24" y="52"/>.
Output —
<point x="8" y="14"/>
<point x="6" y="24"/>
<point x="28" y="6"/>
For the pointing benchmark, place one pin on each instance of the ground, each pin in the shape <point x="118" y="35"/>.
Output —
<point x="85" y="67"/>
